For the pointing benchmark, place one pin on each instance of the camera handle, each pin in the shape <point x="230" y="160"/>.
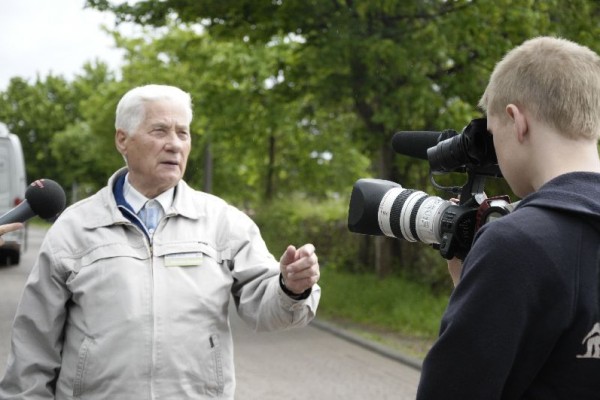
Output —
<point x="473" y="189"/>
<point x="461" y="224"/>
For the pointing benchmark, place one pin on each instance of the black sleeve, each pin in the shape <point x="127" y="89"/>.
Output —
<point x="501" y="320"/>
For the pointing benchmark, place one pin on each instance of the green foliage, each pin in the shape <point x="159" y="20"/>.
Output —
<point x="35" y="112"/>
<point x="397" y="304"/>
<point x="265" y="143"/>
<point x="297" y="220"/>
<point x="79" y="167"/>
<point x="417" y="65"/>
<point x="48" y="117"/>
<point x="393" y="304"/>
<point x="293" y="102"/>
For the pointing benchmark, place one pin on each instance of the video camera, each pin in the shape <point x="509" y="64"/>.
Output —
<point x="381" y="207"/>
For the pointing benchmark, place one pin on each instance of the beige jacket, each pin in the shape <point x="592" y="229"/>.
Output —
<point x="108" y="315"/>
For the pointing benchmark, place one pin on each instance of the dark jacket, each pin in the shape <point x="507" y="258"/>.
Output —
<point x="524" y="321"/>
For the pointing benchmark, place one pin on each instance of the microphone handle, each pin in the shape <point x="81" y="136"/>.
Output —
<point x="20" y="213"/>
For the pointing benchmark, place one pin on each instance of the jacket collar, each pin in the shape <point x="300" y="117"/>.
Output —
<point x="186" y="203"/>
<point x="115" y="210"/>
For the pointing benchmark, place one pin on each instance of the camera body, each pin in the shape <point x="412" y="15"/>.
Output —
<point x="380" y="207"/>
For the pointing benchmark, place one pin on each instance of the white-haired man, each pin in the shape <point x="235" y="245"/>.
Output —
<point x="129" y="296"/>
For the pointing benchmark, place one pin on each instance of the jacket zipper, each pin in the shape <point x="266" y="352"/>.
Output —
<point x="152" y="315"/>
<point x="149" y="243"/>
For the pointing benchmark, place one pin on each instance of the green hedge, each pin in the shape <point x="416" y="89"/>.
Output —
<point x="298" y="221"/>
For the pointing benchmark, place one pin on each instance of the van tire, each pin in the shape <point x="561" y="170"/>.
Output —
<point x="10" y="257"/>
<point x="15" y="258"/>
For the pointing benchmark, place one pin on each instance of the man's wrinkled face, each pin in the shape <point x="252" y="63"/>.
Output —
<point x="157" y="151"/>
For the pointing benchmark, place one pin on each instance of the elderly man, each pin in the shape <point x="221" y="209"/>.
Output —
<point x="129" y="296"/>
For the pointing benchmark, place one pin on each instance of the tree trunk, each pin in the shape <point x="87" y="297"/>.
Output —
<point x="384" y="246"/>
<point x="270" y="184"/>
<point x="74" y="192"/>
<point x="208" y="169"/>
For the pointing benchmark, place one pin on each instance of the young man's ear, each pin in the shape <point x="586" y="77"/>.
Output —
<point x="519" y="120"/>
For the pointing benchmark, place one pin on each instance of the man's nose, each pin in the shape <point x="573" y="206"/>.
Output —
<point x="173" y="142"/>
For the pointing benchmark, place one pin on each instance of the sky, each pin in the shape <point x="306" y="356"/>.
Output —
<point x="52" y="36"/>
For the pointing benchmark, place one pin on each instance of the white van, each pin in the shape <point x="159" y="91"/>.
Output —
<point x="13" y="184"/>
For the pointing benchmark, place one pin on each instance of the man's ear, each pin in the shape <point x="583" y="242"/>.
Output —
<point x="519" y="120"/>
<point x="121" y="141"/>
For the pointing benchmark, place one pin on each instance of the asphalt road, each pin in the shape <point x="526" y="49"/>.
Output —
<point x="305" y="363"/>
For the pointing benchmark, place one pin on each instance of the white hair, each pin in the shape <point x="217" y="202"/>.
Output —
<point x="131" y="108"/>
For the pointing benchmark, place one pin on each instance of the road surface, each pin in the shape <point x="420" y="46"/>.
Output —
<point x="305" y="363"/>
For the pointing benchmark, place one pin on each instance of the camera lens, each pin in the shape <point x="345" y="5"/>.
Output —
<point x="411" y="215"/>
<point x="380" y="207"/>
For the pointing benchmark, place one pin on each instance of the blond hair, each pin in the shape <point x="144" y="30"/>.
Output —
<point x="556" y="80"/>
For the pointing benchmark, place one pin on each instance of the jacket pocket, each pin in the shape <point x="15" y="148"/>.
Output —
<point x="170" y="248"/>
<point x="217" y="357"/>
<point x="80" y="372"/>
<point x="110" y="251"/>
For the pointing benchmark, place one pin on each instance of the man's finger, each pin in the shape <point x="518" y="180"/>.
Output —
<point x="306" y="251"/>
<point x="289" y="255"/>
<point x="10" y="227"/>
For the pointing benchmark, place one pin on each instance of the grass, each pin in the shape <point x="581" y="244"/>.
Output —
<point x="392" y="311"/>
<point x="39" y="222"/>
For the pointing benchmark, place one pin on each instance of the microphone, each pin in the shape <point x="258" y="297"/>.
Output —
<point x="43" y="197"/>
<point x="415" y="143"/>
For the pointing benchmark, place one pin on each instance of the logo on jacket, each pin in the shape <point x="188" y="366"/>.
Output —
<point x="592" y="342"/>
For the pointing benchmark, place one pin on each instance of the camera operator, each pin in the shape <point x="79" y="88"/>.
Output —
<point x="523" y="321"/>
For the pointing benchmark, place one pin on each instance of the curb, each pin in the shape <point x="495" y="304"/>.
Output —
<point x="369" y="345"/>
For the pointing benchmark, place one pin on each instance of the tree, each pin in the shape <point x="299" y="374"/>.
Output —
<point x="265" y="144"/>
<point x="35" y="112"/>
<point x="411" y="65"/>
<point x="47" y="117"/>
